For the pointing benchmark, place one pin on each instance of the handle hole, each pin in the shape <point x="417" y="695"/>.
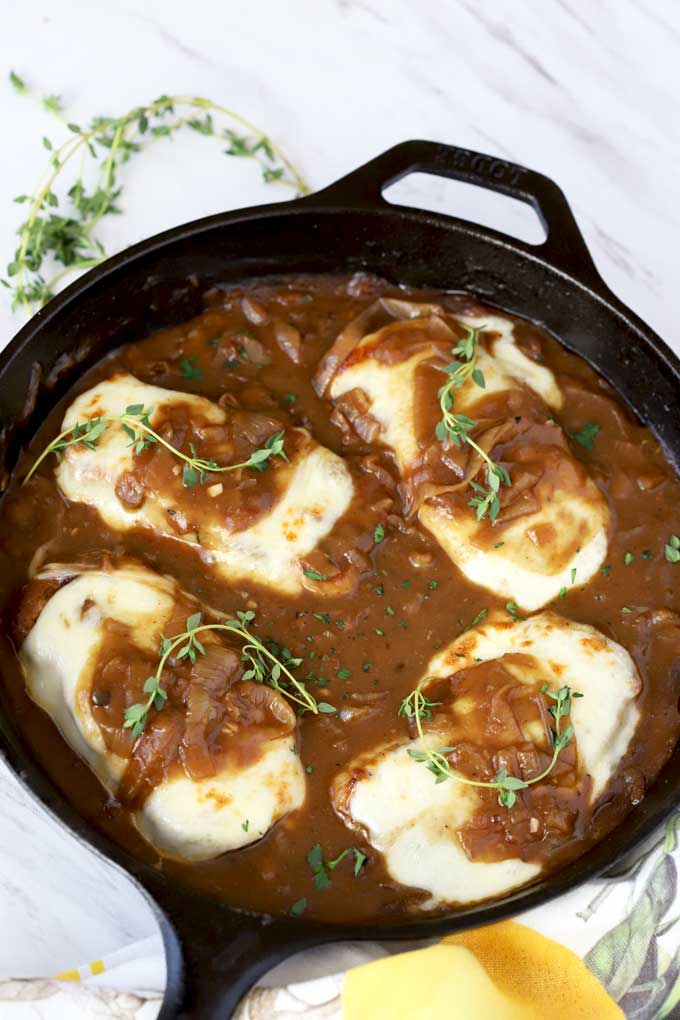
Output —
<point x="469" y="202"/>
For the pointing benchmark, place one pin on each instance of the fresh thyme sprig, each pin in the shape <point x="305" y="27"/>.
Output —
<point x="263" y="666"/>
<point x="70" y="238"/>
<point x="418" y="707"/>
<point x="136" y="424"/>
<point x="457" y="427"/>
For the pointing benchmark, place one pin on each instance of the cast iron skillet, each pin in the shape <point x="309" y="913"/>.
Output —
<point x="213" y="952"/>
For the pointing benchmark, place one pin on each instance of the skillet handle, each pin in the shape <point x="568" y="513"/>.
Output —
<point x="214" y="954"/>
<point x="564" y="246"/>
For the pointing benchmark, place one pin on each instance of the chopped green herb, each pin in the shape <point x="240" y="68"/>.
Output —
<point x="290" y="398"/>
<point x="380" y="589"/>
<point x="573" y="574"/>
<point x="606" y="570"/>
<point x="366" y="666"/>
<point x="327" y="709"/>
<point x="189" y="368"/>
<point x="626" y="609"/>
<point x="481" y="615"/>
<point x="647" y="554"/>
<point x="498" y="545"/>
<point x="389" y="611"/>
<point x="587" y="436"/>
<point x="378" y="533"/>
<point x="433" y="585"/>
<point x="309" y="769"/>
<point x="314" y="575"/>
<point x="379" y="632"/>
<point x="359" y="859"/>
<point x="406" y="584"/>
<point x="245" y="825"/>
<point x="344" y="674"/>
<point x="628" y="558"/>
<point x="512" y="609"/>
<point x="299" y="907"/>
<point x="562" y="594"/>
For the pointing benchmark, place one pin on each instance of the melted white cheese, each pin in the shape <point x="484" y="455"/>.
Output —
<point x="182" y="818"/>
<point x="317" y="490"/>
<point x="522" y="568"/>
<point x="413" y="821"/>
<point x="198" y="820"/>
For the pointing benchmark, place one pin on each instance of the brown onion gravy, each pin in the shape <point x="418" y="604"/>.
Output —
<point x="255" y="350"/>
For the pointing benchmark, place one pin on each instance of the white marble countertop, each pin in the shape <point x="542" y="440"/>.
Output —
<point x="588" y="93"/>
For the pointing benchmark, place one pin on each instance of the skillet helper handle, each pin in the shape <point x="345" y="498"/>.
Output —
<point x="214" y="955"/>
<point x="564" y="246"/>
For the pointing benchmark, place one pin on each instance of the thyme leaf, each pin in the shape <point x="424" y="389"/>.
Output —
<point x="672" y="549"/>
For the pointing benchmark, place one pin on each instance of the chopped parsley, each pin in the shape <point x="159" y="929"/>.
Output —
<point x="587" y="436"/>
<point x="314" y="575"/>
<point x="481" y="615"/>
<point x="189" y="368"/>
<point x="299" y="907"/>
<point x="378" y="534"/>
<point x="512" y="609"/>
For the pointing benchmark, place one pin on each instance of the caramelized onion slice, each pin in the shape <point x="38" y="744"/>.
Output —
<point x="153" y="753"/>
<point x="217" y="670"/>
<point x="254" y="704"/>
<point x="211" y="676"/>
